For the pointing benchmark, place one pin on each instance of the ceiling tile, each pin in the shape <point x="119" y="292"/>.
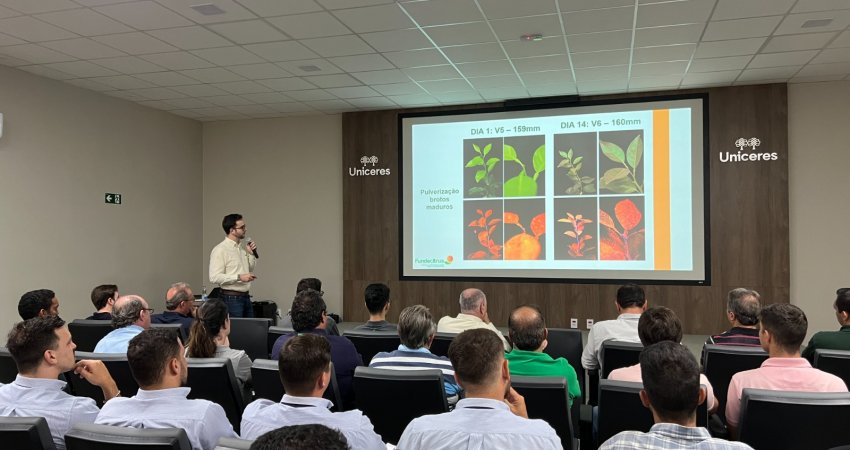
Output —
<point x="83" y="48"/>
<point x="398" y="88"/>
<point x="46" y="72"/>
<point x="242" y="87"/>
<point x="768" y="73"/>
<point x="818" y="5"/>
<point x="674" y="13"/>
<point x="525" y="49"/>
<point x="546" y="90"/>
<point x="85" y="22"/>
<point x="251" y="109"/>
<point x="737" y="9"/>
<point x="82" y="69"/>
<point x="361" y="63"/>
<point x="177" y="60"/>
<point x="33" y="30"/>
<point x="549" y="77"/>
<point x="184" y="103"/>
<point x="664" y="53"/>
<point x="309" y="95"/>
<point x="832" y="55"/>
<point x="458" y="85"/>
<point x="35" y="54"/>
<point x="158" y="104"/>
<point x="381" y="77"/>
<point x="496" y="81"/>
<point x="294" y="107"/>
<point x="92" y="85"/>
<point x="128" y="65"/>
<point x="340" y="4"/>
<point x="304" y="26"/>
<point x="719" y="64"/>
<point x="199" y="90"/>
<point x="267" y="97"/>
<point x="353" y="92"/>
<point x="511" y="29"/>
<point x="843" y="40"/>
<point x="12" y="62"/>
<point x="726" y="76"/>
<point x="5" y="40"/>
<point x="281" y="51"/>
<point x="474" y="53"/>
<point x="597" y="59"/>
<point x="817" y="79"/>
<point x="484" y="69"/>
<point x="442" y="12"/>
<point x="454" y="98"/>
<point x="740" y="28"/>
<point x="500" y="9"/>
<point x="212" y="75"/>
<point x="410" y="100"/>
<point x="669" y="35"/>
<point x="331" y="106"/>
<point x="38" y="6"/>
<point x="135" y="43"/>
<point x="813" y="70"/>
<point x="307" y="67"/>
<point x="329" y="81"/>
<point x="248" y="32"/>
<point x="499" y="94"/>
<point x="144" y="15"/>
<point x="782" y="59"/>
<point x="373" y="102"/>
<point x="374" y="18"/>
<point x="599" y="20"/>
<point x="259" y="71"/>
<point x="228" y="56"/>
<point x="287" y="84"/>
<point x="601" y="73"/>
<point x="190" y="38"/>
<point x="732" y="47"/>
<point x="6" y="12"/>
<point x="269" y="8"/>
<point x="416" y="58"/>
<point x="432" y="73"/>
<point x="580" y="5"/>
<point x="232" y="10"/>
<point x="602" y="86"/>
<point x="398" y="40"/>
<point x="655" y="82"/>
<point x="126" y="95"/>
<point x="167" y="79"/>
<point x="228" y="100"/>
<point x="123" y="82"/>
<point x="796" y="42"/>
<point x="338" y="46"/>
<point x="793" y="23"/>
<point x="460" y="34"/>
<point x="541" y="63"/>
<point x="593" y="42"/>
<point x="659" y="68"/>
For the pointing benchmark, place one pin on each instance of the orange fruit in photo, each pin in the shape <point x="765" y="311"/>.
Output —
<point x="449" y="259"/>
<point x="522" y="246"/>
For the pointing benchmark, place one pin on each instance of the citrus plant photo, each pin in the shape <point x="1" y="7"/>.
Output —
<point x="525" y="183"/>
<point x="525" y="245"/>
<point x="625" y="179"/>
<point x="484" y="228"/>
<point x="487" y="176"/>
<point x="623" y="240"/>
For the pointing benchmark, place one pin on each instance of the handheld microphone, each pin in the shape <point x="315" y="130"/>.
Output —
<point x="256" y="255"/>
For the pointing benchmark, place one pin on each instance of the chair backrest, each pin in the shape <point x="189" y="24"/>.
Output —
<point x="26" y="433"/>
<point x="547" y="398"/>
<point x="378" y="391"/>
<point x="213" y="379"/>
<point x="88" y="436"/>
<point x="118" y="368"/>
<point x="369" y="343"/>
<point x="616" y="354"/>
<point x="250" y="334"/>
<point x="267" y="383"/>
<point x="227" y="443"/>
<point x="721" y="362"/>
<point x="87" y="333"/>
<point x="567" y="343"/>
<point x="8" y="368"/>
<point x="836" y="362"/>
<point x="441" y="342"/>
<point x="620" y="409"/>
<point x="781" y="420"/>
<point x="271" y="337"/>
<point x="175" y="328"/>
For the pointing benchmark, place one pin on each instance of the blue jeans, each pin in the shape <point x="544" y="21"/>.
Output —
<point x="238" y="305"/>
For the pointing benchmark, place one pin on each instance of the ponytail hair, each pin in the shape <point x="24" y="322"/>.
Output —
<point x="211" y="317"/>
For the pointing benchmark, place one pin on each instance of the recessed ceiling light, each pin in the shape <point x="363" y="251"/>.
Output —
<point x="814" y="23"/>
<point x="310" y="68"/>
<point x="535" y="37"/>
<point x="208" y="9"/>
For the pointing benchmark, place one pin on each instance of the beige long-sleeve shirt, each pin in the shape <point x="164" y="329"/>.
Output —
<point x="228" y="260"/>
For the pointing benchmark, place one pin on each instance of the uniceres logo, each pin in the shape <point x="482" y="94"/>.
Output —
<point x="747" y="152"/>
<point x="372" y="161"/>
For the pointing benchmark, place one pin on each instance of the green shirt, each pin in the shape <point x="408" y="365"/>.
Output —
<point x="832" y="340"/>
<point x="526" y="363"/>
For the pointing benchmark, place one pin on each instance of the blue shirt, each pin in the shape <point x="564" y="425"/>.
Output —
<point x="118" y="339"/>
<point x="262" y="416"/>
<point x="41" y="397"/>
<point x="344" y="356"/>
<point x="670" y="436"/>
<point x="406" y="358"/>
<point x="204" y="421"/>
<point x="174" y="317"/>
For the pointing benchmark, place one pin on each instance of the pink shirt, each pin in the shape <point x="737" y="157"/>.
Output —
<point x="779" y="374"/>
<point x="632" y="373"/>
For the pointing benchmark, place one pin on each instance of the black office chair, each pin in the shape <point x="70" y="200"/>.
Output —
<point x="226" y="443"/>
<point x="88" y="436"/>
<point x="118" y="368"/>
<point x="547" y="398"/>
<point x="213" y="379"/>
<point x="441" y="342"/>
<point x="378" y="391"/>
<point x="721" y="362"/>
<point x="175" y="328"/>
<point x="781" y="420"/>
<point x="267" y="383"/>
<point x="369" y="343"/>
<point x="617" y="354"/>
<point x="8" y="368"/>
<point x="273" y="334"/>
<point x="250" y="334"/>
<point x="567" y="343"/>
<point x="836" y="362"/>
<point x="87" y="333"/>
<point x="26" y="433"/>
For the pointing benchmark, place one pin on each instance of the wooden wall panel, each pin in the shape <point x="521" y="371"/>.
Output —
<point x="748" y="224"/>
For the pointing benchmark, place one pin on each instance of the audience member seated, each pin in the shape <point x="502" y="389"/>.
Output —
<point x="179" y="307"/>
<point x="416" y="330"/>
<point x="305" y="371"/>
<point x="42" y="349"/>
<point x="309" y="315"/>
<point x="209" y="339"/>
<point x="159" y="367"/>
<point x="671" y="391"/>
<point x="659" y="324"/>
<point x="316" y="285"/>
<point x="492" y="415"/>
<point x="378" y="303"/>
<point x="528" y="335"/>
<point x="301" y="437"/>
<point x="473" y="314"/>
<point x="742" y="311"/>
<point x="833" y="340"/>
<point x="103" y="298"/>
<point x="130" y="316"/>
<point x="631" y="302"/>
<point x="38" y="303"/>
<point x="782" y="328"/>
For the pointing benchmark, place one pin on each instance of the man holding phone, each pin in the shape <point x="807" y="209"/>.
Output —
<point x="232" y="267"/>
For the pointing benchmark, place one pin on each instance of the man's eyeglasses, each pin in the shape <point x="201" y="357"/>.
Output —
<point x="149" y="310"/>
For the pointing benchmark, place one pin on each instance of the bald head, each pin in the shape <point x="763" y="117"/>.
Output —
<point x="130" y="310"/>
<point x="744" y="306"/>
<point x="527" y="329"/>
<point x="471" y="299"/>
<point x="179" y="298"/>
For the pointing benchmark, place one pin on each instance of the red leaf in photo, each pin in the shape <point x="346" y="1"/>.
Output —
<point x="628" y="214"/>
<point x="538" y="224"/>
<point x="610" y="250"/>
<point x="511" y="218"/>
<point x="605" y="219"/>
<point x="480" y="254"/>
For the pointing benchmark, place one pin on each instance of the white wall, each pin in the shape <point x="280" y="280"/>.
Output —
<point x="285" y="177"/>
<point x="819" y="183"/>
<point x="62" y="149"/>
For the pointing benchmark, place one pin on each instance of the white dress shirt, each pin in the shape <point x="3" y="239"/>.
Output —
<point x="228" y="260"/>
<point x="118" y="340"/>
<point x="624" y="328"/>
<point x="463" y="322"/>
<point x="204" y="421"/>
<point x="477" y="424"/>
<point x="41" y="397"/>
<point x="262" y="416"/>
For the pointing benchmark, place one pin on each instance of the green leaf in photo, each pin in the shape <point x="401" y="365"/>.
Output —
<point x="613" y="151"/>
<point x="509" y="153"/>
<point x="570" y="154"/>
<point x="634" y="152"/>
<point x="477" y="190"/>
<point x="487" y="149"/>
<point x="476" y="161"/>
<point x="521" y="185"/>
<point x="476" y="148"/>
<point x="613" y="175"/>
<point x="578" y="160"/>
<point x="563" y="154"/>
<point x="480" y="175"/>
<point x="539" y="159"/>
<point x="491" y="163"/>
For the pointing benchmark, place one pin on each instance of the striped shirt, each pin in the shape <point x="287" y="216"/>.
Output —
<point x="746" y="337"/>
<point x="406" y="358"/>
<point x="669" y="436"/>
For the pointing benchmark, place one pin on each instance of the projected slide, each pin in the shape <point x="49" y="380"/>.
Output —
<point x="611" y="192"/>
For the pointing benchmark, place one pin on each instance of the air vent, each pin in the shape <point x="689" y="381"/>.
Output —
<point x="814" y="23"/>
<point x="310" y="68"/>
<point x="208" y="9"/>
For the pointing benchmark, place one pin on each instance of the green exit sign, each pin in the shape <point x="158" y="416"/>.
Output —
<point x="112" y="199"/>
